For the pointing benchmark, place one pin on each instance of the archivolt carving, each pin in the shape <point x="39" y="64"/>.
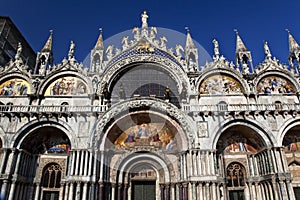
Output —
<point x="174" y="70"/>
<point x="187" y="125"/>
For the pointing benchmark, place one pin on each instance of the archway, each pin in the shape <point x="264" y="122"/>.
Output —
<point x="141" y="148"/>
<point x="236" y="180"/>
<point x="239" y="139"/>
<point x="145" y="80"/>
<point x="143" y="174"/>
<point x="291" y="143"/>
<point x="235" y="145"/>
<point x="46" y="147"/>
<point x="51" y="178"/>
<point x="46" y="140"/>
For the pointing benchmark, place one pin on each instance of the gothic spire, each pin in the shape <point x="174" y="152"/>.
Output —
<point x="189" y="41"/>
<point x="99" y="43"/>
<point x="191" y="53"/>
<point x="48" y="45"/>
<point x="240" y="46"/>
<point x="293" y="45"/>
<point x="243" y="55"/>
<point x="294" y="48"/>
<point x="45" y="57"/>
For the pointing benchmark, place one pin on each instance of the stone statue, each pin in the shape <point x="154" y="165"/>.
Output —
<point x="136" y="33"/>
<point x="216" y="48"/>
<point x="144" y="20"/>
<point x="153" y="32"/>
<point x="71" y="51"/>
<point x="109" y="52"/>
<point x="267" y="50"/>
<point x="178" y="50"/>
<point x="19" y="51"/>
<point x="167" y="93"/>
<point x="42" y="70"/>
<point x="125" y="42"/>
<point x="163" y="41"/>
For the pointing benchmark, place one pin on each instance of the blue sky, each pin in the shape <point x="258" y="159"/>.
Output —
<point x="256" y="21"/>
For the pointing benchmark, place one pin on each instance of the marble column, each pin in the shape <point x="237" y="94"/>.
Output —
<point x="12" y="191"/>
<point x="185" y="192"/>
<point x="200" y="186"/>
<point x="119" y="188"/>
<point x="71" y="191"/>
<point x="173" y="191"/>
<point x="207" y="191"/>
<point x="180" y="191"/>
<point x="162" y="191"/>
<point x="275" y="189"/>
<point x="90" y="163"/>
<point x="82" y="159"/>
<point x="125" y="192"/>
<point x="77" y="162"/>
<point x="290" y="190"/>
<point x="167" y="188"/>
<point x="86" y="162"/>
<point x="214" y="195"/>
<point x="37" y="191"/>
<point x="84" y="192"/>
<point x="78" y="191"/>
<point x="283" y="190"/>
<point x="4" y="188"/>
<point x="113" y="190"/>
<point x="100" y="191"/>
<point x="66" y="191"/>
<point x="270" y="190"/>
<point x="72" y="157"/>
<point x="61" y="191"/>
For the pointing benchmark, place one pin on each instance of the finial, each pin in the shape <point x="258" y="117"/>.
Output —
<point x="51" y="31"/>
<point x="287" y="30"/>
<point x="236" y="31"/>
<point x="187" y="29"/>
<point x="100" y="29"/>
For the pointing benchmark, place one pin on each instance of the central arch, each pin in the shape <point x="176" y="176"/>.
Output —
<point x="129" y="109"/>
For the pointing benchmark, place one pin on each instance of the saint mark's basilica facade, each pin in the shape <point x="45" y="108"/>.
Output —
<point x="145" y="121"/>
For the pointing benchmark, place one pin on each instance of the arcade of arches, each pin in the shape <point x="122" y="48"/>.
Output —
<point x="147" y="122"/>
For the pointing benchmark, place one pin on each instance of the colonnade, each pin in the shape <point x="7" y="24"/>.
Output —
<point x="201" y="176"/>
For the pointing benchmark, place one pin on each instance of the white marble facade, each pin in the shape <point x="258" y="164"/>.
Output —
<point x="143" y="116"/>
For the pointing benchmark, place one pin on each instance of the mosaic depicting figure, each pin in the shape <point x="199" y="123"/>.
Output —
<point x="220" y="84"/>
<point x="240" y="145"/>
<point x="14" y="87"/>
<point x="150" y="134"/>
<point x="275" y="85"/>
<point x="291" y="142"/>
<point x="67" y="86"/>
<point x="46" y="144"/>
<point x="236" y="143"/>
